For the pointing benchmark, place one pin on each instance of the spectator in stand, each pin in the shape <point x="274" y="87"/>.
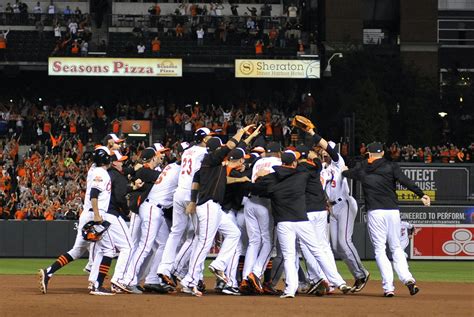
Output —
<point x="200" y="36"/>
<point x="259" y="48"/>
<point x="179" y="31"/>
<point x="67" y="11"/>
<point x="233" y="9"/>
<point x="156" y="47"/>
<point x="292" y="11"/>
<point x="282" y="37"/>
<point x="37" y="10"/>
<point x="3" y="45"/>
<point x="51" y="8"/>
<point x="57" y="31"/>
<point x="272" y="36"/>
<point x="78" y="13"/>
<point x="313" y="44"/>
<point x="141" y="49"/>
<point x="300" y="48"/>
<point x="84" y="48"/>
<point x="75" y="48"/>
<point x="253" y="11"/>
<point x="73" y="27"/>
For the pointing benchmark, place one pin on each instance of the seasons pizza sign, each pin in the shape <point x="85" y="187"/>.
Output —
<point x="117" y="67"/>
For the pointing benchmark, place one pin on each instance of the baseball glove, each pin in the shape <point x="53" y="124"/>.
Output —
<point x="302" y="123"/>
<point x="92" y="230"/>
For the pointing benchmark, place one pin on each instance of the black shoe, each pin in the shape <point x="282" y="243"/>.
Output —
<point x="167" y="280"/>
<point x="231" y="291"/>
<point x="389" y="294"/>
<point x="220" y="285"/>
<point x="43" y="281"/>
<point x="360" y="283"/>
<point x="412" y="287"/>
<point x="201" y="286"/>
<point x="314" y="286"/>
<point x="101" y="291"/>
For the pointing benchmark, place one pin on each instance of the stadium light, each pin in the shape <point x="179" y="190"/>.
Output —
<point x="327" y="71"/>
<point x="442" y="114"/>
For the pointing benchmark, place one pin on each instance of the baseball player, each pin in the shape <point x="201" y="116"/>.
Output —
<point x="190" y="164"/>
<point x="206" y="198"/>
<point x="342" y="217"/>
<point x="95" y="179"/>
<point x="259" y="225"/>
<point x="117" y="237"/>
<point x="163" y="193"/>
<point x="378" y="178"/>
<point x="150" y="214"/>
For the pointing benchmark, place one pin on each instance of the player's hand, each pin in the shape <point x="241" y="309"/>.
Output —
<point x="244" y="179"/>
<point x="257" y="131"/>
<point x="248" y="128"/>
<point x="138" y="184"/>
<point x="191" y="208"/>
<point x="98" y="218"/>
<point x="426" y="200"/>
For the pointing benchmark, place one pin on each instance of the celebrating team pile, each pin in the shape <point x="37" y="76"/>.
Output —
<point x="270" y="206"/>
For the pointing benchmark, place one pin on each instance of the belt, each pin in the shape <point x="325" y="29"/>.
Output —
<point x="332" y="203"/>
<point x="153" y="203"/>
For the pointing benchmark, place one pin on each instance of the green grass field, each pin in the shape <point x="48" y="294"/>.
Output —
<point x="432" y="271"/>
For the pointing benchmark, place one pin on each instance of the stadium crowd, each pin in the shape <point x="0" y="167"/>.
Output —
<point x="48" y="181"/>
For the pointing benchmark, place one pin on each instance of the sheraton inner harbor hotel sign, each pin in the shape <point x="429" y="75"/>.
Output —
<point x="274" y="68"/>
<point x="122" y="67"/>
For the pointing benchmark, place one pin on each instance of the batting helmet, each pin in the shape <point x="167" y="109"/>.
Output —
<point x="91" y="233"/>
<point x="101" y="156"/>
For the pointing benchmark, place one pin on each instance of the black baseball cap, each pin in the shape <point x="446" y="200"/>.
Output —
<point x="273" y="147"/>
<point x="236" y="154"/>
<point x="288" y="157"/>
<point x="148" y="154"/>
<point x="375" y="147"/>
<point x="183" y="146"/>
<point x="201" y="133"/>
<point x="214" y="143"/>
<point x="303" y="150"/>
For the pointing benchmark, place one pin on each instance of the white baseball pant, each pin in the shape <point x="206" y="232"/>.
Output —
<point x="259" y="224"/>
<point x="210" y="219"/>
<point x="384" y="226"/>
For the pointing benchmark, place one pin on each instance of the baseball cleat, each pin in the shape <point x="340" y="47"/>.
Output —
<point x="118" y="285"/>
<point x="157" y="288"/>
<point x="360" y="283"/>
<point x="191" y="290"/>
<point x="254" y="282"/>
<point x="218" y="274"/>
<point x="245" y="288"/>
<point x="268" y="289"/>
<point x="314" y="286"/>
<point x="167" y="280"/>
<point x="43" y="281"/>
<point x="219" y="286"/>
<point x="101" y="291"/>
<point x="389" y="294"/>
<point x="322" y="289"/>
<point x="344" y="288"/>
<point x="116" y="290"/>
<point x="228" y="290"/>
<point x="412" y="287"/>
<point x="133" y="289"/>
<point x="201" y="287"/>
<point x="284" y="295"/>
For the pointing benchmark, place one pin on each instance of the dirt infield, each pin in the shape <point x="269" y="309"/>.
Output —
<point x="19" y="296"/>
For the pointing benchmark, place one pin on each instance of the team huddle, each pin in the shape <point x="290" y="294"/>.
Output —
<point x="271" y="207"/>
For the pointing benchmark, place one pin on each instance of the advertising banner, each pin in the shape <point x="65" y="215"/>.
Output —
<point x="274" y="68"/>
<point x="443" y="242"/>
<point x="440" y="182"/>
<point x="115" y="67"/>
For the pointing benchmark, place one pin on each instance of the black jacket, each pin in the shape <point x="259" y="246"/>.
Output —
<point x="315" y="198"/>
<point x="286" y="188"/>
<point x="378" y="183"/>
<point x="234" y="193"/>
<point x="118" y="202"/>
<point x="212" y="177"/>
<point x="149" y="177"/>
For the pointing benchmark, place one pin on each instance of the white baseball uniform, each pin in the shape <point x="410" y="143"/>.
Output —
<point x="344" y="211"/>
<point x="404" y="235"/>
<point x="259" y="224"/>
<point x="190" y="164"/>
<point x="100" y="181"/>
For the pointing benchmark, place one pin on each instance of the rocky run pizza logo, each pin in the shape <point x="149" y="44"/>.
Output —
<point x="462" y="242"/>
